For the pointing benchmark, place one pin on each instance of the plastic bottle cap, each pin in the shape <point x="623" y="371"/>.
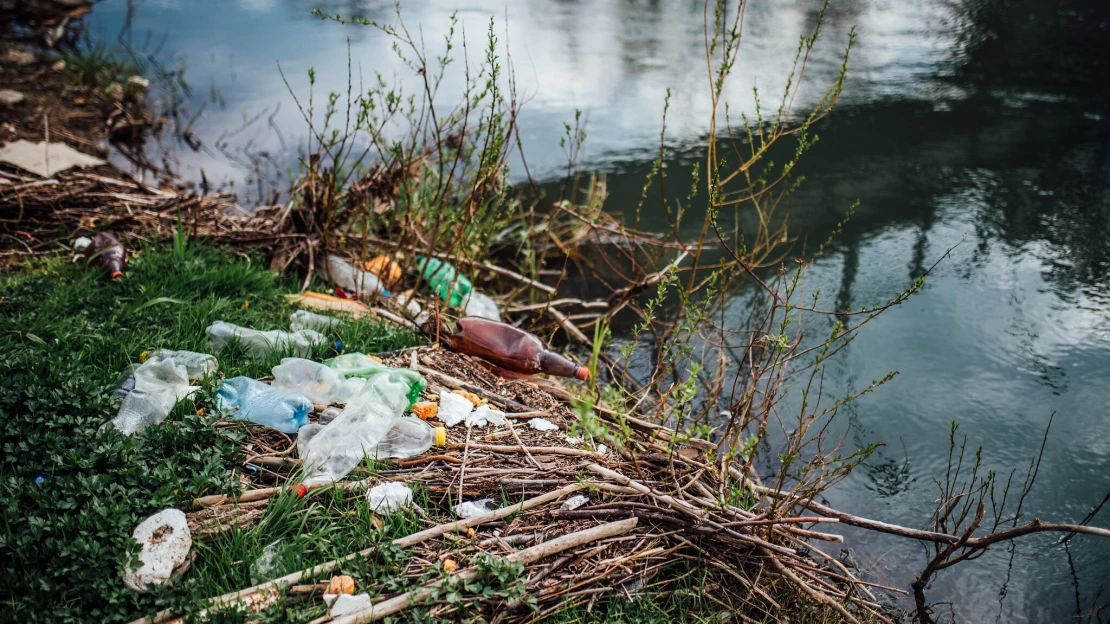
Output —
<point x="582" y="374"/>
<point x="441" y="436"/>
<point x="117" y="274"/>
<point x="302" y="489"/>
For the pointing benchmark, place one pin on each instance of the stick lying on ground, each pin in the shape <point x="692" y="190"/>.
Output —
<point x="526" y="556"/>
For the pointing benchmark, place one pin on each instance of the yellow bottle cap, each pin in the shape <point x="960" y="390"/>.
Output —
<point x="441" y="436"/>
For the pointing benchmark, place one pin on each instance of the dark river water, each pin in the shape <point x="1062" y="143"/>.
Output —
<point x="979" y="117"/>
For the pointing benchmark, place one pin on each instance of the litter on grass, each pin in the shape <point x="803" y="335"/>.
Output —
<point x="485" y="415"/>
<point x="543" y="424"/>
<point x="165" y="544"/>
<point x="574" y="502"/>
<point x="453" y="408"/>
<point x="387" y="498"/>
<point x="471" y="509"/>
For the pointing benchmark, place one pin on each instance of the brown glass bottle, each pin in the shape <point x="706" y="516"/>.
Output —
<point x="511" y="348"/>
<point x="108" y="253"/>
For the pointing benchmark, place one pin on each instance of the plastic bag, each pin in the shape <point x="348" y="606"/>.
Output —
<point x="159" y="385"/>
<point x="387" y="498"/>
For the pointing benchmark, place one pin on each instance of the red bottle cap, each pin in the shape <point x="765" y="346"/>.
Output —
<point x="582" y="374"/>
<point x="301" y="490"/>
<point x="117" y="274"/>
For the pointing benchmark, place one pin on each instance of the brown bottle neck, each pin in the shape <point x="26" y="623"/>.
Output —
<point x="554" y="364"/>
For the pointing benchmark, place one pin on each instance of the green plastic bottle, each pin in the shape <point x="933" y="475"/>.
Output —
<point x="451" y="285"/>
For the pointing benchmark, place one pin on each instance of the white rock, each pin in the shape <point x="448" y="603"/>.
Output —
<point x="543" y="424"/>
<point x="453" y="408"/>
<point x="471" y="509"/>
<point x="165" y="541"/>
<point x="347" y="603"/>
<point x="387" y="498"/>
<point x="485" y="415"/>
<point x="9" y="97"/>
<point x="574" y="502"/>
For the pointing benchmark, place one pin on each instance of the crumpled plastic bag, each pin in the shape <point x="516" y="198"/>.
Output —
<point x="387" y="498"/>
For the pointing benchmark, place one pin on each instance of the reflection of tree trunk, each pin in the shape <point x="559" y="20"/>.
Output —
<point x="849" y="273"/>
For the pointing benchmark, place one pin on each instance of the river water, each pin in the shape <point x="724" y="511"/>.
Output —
<point x="979" y="117"/>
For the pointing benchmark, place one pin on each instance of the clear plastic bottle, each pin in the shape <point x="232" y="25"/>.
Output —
<point x="159" y="385"/>
<point x="356" y="365"/>
<point x="346" y="276"/>
<point x="511" y="348"/>
<point x="197" y="365"/>
<point x="261" y="343"/>
<point x="322" y="384"/>
<point x="442" y="277"/>
<point x="336" y="449"/>
<point x="249" y="399"/>
<point x="303" y="319"/>
<point x="108" y="253"/>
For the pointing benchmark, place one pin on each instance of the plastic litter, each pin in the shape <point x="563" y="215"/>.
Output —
<point x="478" y="304"/>
<point x="574" y="441"/>
<point x="346" y="276"/>
<point x="370" y="426"/>
<point x="244" y="398"/>
<point x="125" y="383"/>
<point x="45" y="159"/>
<point x="197" y="365"/>
<point x="260" y="343"/>
<point x="485" y="415"/>
<point x="322" y="384"/>
<point x="602" y="449"/>
<point x="425" y="410"/>
<point x="81" y="244"/>
<point x="413" y="307"/>
<point x="356" y="365"/>
<point x="388" y="271"/>
<point x="442" y="277"/>
<point x="344" y="604"/>
<point x="574" y="502"/>
<point x="453" y="408"/>
<point x="329" y="415"/>
<point x="387" y="498"/>
<point x="166" y="541"/>
<point x="303" y="319"/>
<point x="159" y="385"/>
<point x="270" y="564"/>
<point x="108" y="253"/>
<point x="512" y="349"/>
<point x="543" y="424"/>
<point x="328" y="303"/>
<point x="304" y="434"/>
<point x="471" y="509"/>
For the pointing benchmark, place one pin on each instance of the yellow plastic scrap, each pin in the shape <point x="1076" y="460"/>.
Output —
<point x="341" y="585"/>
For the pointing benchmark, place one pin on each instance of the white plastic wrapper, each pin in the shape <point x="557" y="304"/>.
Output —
<point x="485" y="415"/>
<point x="574" y="502"/>
<point x="165" y="541"/>
<point x="543" y="424"/>
<point x="471" y="509"/>
<point x="387" y="498"/>
<point x="453" y="408"/>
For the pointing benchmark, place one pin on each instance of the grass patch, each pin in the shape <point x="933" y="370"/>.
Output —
<point x="65" y="335"/>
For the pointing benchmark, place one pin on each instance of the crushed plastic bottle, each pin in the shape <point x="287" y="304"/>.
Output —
<point x="261" y="343"/>
<point x="322" y="384"/>
<point x="197" y="365"/>
<point x="303" y="319"/>
<point x="478" y="304"/>
<point x="442" y="277"/>
<point x="512" y="349"/>
<point x="304" y="435"/>
<point x="356" y="365"/>
<point x="369" y="426"/>
<point x="159" y="385"/>
<point x="329" y="415"/>
<point x="346" y="276"/>
<point x="244" y="398"/>
<point x="108" y="253"/>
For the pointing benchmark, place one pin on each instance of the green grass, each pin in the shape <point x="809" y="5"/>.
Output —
<point x="65" y="335"/>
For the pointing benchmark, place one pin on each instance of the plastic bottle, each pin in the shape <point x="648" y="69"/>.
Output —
<point x="303" y="319"/>
<point x="444" y="279"/>
<point x="108" y="253"/>
<point x="260" y="343"/>
<point x="356" y="365"/>
<point x="249" y="399"/>
<point x="511" y="348"/>
<point x="322" y="384"/>
<point x="343" y="274"/>
<point x="197" y="365"/>
<point x="478" y="304"/>
<point x="159" y="385"/>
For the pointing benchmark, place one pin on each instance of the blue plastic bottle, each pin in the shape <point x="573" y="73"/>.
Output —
<point x="250" y="399"/>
